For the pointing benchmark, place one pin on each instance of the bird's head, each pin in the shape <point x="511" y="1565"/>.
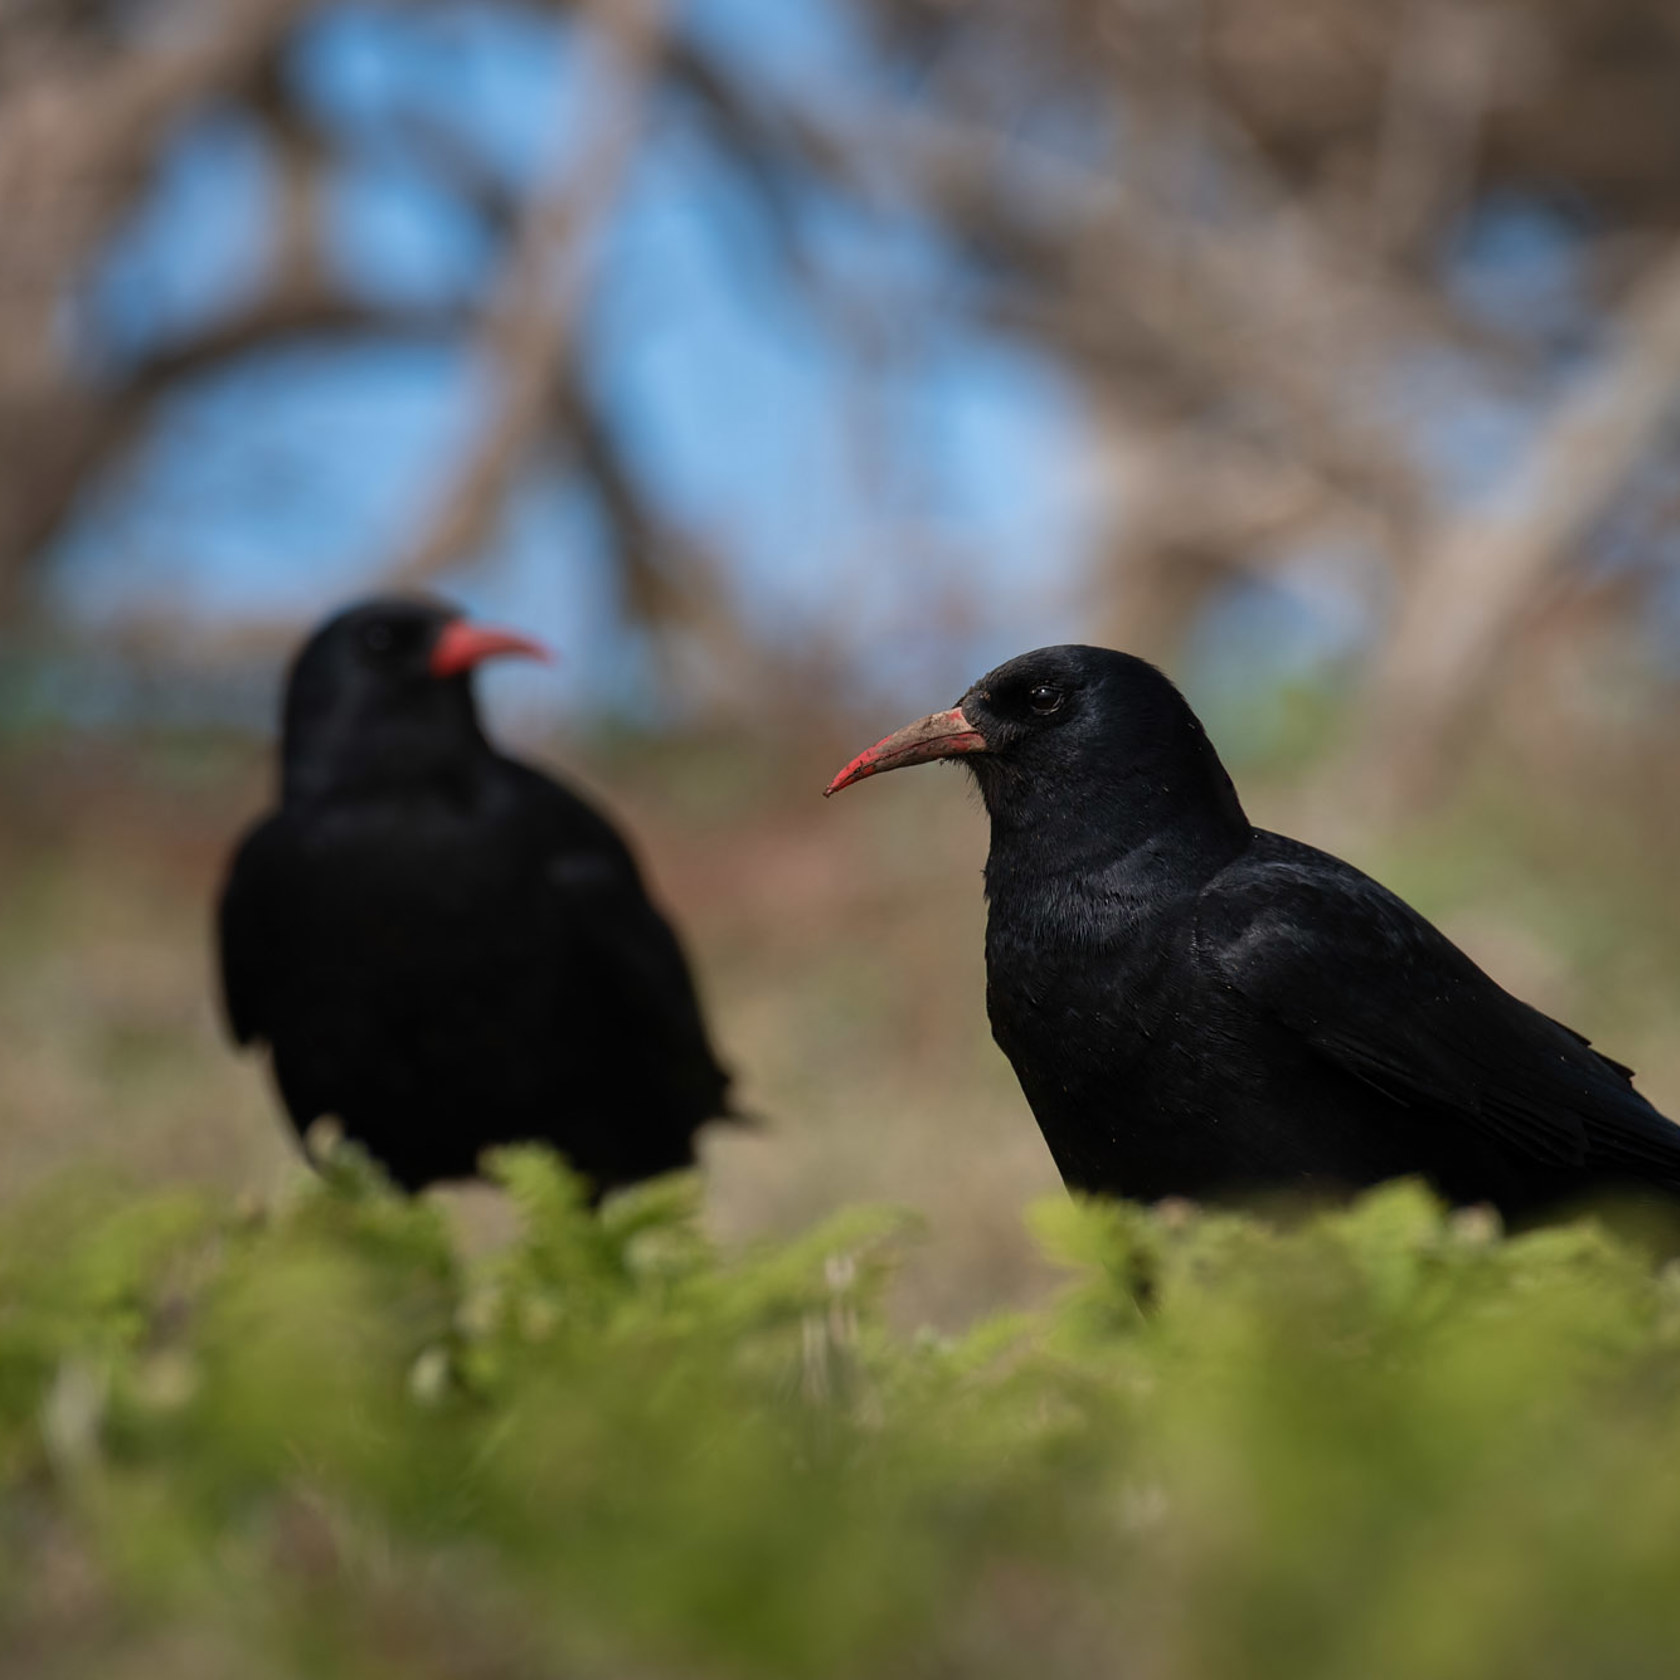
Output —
<point x="1074" y="732"/>
<point x="382" y="693"/>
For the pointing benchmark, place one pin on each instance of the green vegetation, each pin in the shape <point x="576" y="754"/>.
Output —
<point x="354" y="1438"/>
<point x="317" y="1441"/>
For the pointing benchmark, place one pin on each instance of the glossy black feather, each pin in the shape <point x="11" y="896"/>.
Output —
<point x="1197" y="1007"/>
<point x="447" y="950"/>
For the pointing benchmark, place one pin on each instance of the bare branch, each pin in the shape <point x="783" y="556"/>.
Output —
<point x="526" y="331"/>
<point x="73" y="144"/>
<point x="93" y="428"/>
<point x="1482" y="573"/>
<point x="77" y="135"/>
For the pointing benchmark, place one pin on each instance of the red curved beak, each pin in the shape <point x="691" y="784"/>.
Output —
<point x="461" y="646"/>
<point x="942" y="735"/>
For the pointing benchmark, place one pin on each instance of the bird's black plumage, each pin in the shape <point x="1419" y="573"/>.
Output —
<point x="1196" y="1007"/>
<point x="443" y="948"/>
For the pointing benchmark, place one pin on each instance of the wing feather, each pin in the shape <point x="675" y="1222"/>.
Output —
<point x="1376" y="990"/>
<point x="636" y="962"/>
<point x="251" y="927"/>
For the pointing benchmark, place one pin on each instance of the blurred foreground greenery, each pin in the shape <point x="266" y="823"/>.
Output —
<point x="313" y="1439"/>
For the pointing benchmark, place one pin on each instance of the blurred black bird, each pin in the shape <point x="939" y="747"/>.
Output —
<point x="1196" y="1007"/>
<point x="443" y="948"/>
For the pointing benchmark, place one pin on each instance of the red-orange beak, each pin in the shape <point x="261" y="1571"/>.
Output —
<point x="943" y="735"/>
<point x="461" y="646"/>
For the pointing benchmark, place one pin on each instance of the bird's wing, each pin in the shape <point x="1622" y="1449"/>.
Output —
<point x="635" y="959"/>
<point x="1373" y="988"/>
<point x="251" y="926"/>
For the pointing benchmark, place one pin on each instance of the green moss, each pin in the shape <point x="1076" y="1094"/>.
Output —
<point x="316" y="1440"/>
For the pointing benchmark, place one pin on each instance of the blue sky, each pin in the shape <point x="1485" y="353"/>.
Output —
<point x="923" y="508"/>
<point x="856" y="503"/>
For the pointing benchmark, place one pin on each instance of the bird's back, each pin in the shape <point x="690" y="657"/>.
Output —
<point x="428" y="970"/>
<point x="1289" y="1024"/>
<point x="1489" y="1097"/>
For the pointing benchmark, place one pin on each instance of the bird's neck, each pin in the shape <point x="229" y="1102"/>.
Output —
<point x="1136" y="840"/>
<point x="390" y="765"/>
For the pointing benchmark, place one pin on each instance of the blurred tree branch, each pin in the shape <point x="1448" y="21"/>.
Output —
<point x="1231" y="222"/>
<point x="82" y="112"/>
<point x="525" y="331"/>
<point x="1482" y="575"/>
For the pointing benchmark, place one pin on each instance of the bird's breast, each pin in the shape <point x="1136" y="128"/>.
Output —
<point x="1079" y="996"/>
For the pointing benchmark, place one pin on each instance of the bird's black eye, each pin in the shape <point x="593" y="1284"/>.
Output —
<point x="378" y="638"/>
<point x="1044" y="699"/>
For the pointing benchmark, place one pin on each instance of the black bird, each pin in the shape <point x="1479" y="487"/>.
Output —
<point x="443" y="948"/>
<point x="1196" y="1007"/>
